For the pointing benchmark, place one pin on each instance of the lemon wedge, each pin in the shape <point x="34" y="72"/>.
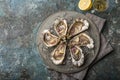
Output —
<point x="85" y="4"/>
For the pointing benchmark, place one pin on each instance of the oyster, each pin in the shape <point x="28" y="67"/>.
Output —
<point x="83" y="40"/>
<point x="78" y="26"/>
<point x="49" y="39"/>
<point x="60" y="26"/>
<point x="77" y="56"/>
<point x="58" y="54"/>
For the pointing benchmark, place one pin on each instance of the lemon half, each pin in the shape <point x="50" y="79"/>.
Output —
<point x="85" y="4"/>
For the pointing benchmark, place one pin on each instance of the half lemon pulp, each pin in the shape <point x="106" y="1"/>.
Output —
<point x="85" y="4"/>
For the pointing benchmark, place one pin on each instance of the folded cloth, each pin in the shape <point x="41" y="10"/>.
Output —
<point x="105" y="48"/>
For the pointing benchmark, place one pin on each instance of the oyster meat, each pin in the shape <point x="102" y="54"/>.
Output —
<point x="77" y="56"/>
<point x="58" y="54"/>
<point x="82" y="40"/>
<point x="50" y="39"/>
<point x="78" y="26"/>
<point x="60" y="26"/>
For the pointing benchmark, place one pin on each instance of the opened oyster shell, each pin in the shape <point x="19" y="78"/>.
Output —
<point x="78" y="26"/>
<point x="50" y="39"/>
<point x="77" y="56"/>
<point x="60" y="26"/>
<point x="58" y="54"/>
<point x="82" y="40"/>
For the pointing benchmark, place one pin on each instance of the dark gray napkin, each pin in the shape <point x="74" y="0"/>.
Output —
<point x="105" y="48"/>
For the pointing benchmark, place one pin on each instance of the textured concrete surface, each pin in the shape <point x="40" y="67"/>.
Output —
<point x="19" y="22"/>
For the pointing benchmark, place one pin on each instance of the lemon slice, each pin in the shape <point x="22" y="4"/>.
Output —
<point x="85" y="4"/>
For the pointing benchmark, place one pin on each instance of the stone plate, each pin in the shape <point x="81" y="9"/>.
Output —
<point x="67" y="66"/>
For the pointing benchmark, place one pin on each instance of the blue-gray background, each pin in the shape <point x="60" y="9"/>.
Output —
<point x="19" y="23"/>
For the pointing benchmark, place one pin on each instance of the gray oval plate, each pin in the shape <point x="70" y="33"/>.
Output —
<point x="67" y="66"/>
